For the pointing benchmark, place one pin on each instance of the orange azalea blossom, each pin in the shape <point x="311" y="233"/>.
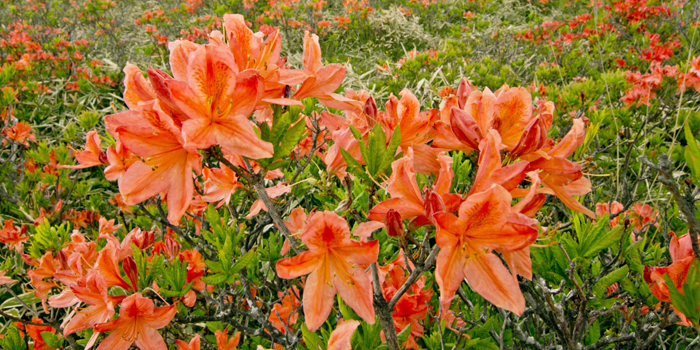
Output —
<point x="20" y="133"/>
<point x="91" y="290"/>
<point x="5" y="279"/>
<point x="92" y="155"/>
<point x="34" y="332"/>
<point x="406" y="198"/>
<point x="444" y="137"/>
<point x="138" y="323"/>
<point x="491" y="170"/>
<point x="194" y="344"/>
<point x="120" y="159"/>
<point x="486" y="222"/>
<point x="13" y="236"/>
<point x="217" y="99"/>
<point x="284" y="315"/>
<point x="296" y="223"/>
<point x="165" y="166"/>
<point x="562" y="177"/>
<point x="508" y="110"/>
<point x="642" y="215"/>
<point x="342" y="334"/>
<point x="681" y="250"/>
<point x="272" y="192"/>
<point x="107" y="264"/>
<point x="45" y="269"/>
<point x="519" y="260"/>
<point x="226" y="343"/>
<point x="334" y="264"/>
<point x="416" y="129"/>
<point x="322" y="80"/>
<point x="610" y="208"/>
<point x="74" y="261"/>
<point x="681" y="256"/>
<point x="260" y="52"/>
<point x="219" y="185"/>
<point x="412" y="307"/>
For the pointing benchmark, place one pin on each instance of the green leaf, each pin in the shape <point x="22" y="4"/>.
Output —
<point x="376" y="146"/>
<point x="28" y="298"/>
<point x="51" y="339"/>
<point x="593" y="333"/>
<point x="353" y="166"/>
<point x="12" y="340"/>
<point x="289" y="140"/>
<point x="687" y="302"/>
<point x="403" y="335"/>
<point x="609" y="279"/>
<point x="243" y="261"/>
<point x="389" y="154"/>
<point x="214" y="279"/>
<point x="599" y="237"/>
<point x="280" y="124"/>
<point x="214" y="326"/>
<point x="692" y="153"/>
<point x="312" y="340"/>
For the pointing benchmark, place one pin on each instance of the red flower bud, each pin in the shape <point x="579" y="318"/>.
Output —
<point x="463" y="92"/>
<point x="433" y="204"/>
<point x="465" y="128"/>
<point x="647" y="274"/>
<point x="172" y="247"/>
<point x="533" y="138"/>
<point x="131" y="271"/>
<point x="394" y="225"/>
<point x="370" y="111"/>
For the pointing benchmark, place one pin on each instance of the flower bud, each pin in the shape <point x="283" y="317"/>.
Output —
<point x="647" y="274"/>
<point x="370" y="111"/>
<point x="465" y="89"/>
<point x="131" y="271"/>
<point x="534" y="136"/>
<point x="394" y="225"/>
<point x="465" y="128"/>
<point x="433" y="204"/>
<point x="171" y="247"/>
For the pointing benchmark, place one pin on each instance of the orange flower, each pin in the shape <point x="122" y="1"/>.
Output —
<point x="218" y="99"/>
<point x="20" y="133"/>
<point x="407" y="199"/>
<point x="165" y="165"/>
<point x="610" y="208"/>
<point x="4" y="279"/>
<point x="92" y="155"/>
<point x="681" y="255"/>
<point x="491" y="170"/>
<point x="219" y="185"/>
<point x="412" y="306"/>
<point x="223" y="341"/>
<point x="284" y="315"/>
<point x="342" y="334"/>
<point x="485" y="222"/>
<point x="91" y="290"/>
<point x="335" y="264"/>
<point x="13" y="236"/>
<point x="194" y="344"/>
<point x="562" y="176"/>
<point x="322" y="80"/>
<point x="34" y="332"/>
<point x="138" y="323"/>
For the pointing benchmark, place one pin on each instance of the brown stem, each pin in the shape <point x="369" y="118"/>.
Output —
<point x="384" y="312"/>
<point x="686" y="206"/>
<point x="257" y="180"/>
